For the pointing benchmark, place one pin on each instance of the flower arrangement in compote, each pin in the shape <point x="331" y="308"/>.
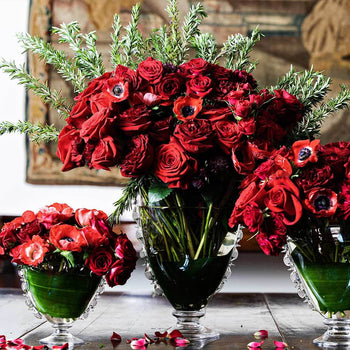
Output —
<point x="186" y="130"/>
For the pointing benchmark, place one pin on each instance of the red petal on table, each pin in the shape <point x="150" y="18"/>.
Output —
<point x="179" y="341"/>
<point x="280" y="344"/>
<point x="161" y="335"/>
<point x="15" y="342"/>
<point x="62" y="347"/>
<point x="115" y="339"/>
<point x="40" y="347"/>
<point x="2" y="339"/>
<point x="255" y="345"/>
<point x="175" y="334"/>
<point x="262" y="334"/>
<point x="139" y="342"/>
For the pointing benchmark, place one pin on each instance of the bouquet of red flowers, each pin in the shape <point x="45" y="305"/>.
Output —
<point x="58" y="239"/>
<point x="298" y="193"/>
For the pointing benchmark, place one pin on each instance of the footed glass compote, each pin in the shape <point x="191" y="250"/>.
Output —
<point x="61" y="298"/>
<point x="323" y="279"/>
<point x="188" y="277"/>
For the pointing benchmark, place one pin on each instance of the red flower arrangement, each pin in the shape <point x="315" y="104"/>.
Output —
<point x="59" y="239"/>
<point x="305" y="187"/>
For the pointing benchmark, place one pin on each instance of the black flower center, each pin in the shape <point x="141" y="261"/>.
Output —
<point x="68" y="239"/>
<point x="304" y="153"/>
<point x="118" y="90"/>
<point x="322" y="203"/>
<point x="187" y="111"/>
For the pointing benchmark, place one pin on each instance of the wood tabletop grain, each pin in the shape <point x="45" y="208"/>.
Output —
<point x="236" y="316"/>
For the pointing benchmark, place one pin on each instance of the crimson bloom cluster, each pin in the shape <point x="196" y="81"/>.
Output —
<point x="57" y="238"/>
<point x="172" y="121"/>
<point x="304" y="187"/>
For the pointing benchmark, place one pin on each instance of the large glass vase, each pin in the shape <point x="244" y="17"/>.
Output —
<point x="189" y="253"/>
<point x="322" y="277"/>
<point x="61" y="298"/>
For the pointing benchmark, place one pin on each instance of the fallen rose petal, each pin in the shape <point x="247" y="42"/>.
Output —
<point x="139" y="342"/>
<point x="23" y="347"/>
<point x="115" y="339"/>
<point x="280" y="344"/>
<point x="62" y="347"/>
<point x="262" y="334"/>
<point x="40" y="347"/>
<point x="175" y="334"/>
<point x="148" y="339"/>
<point x="161" y="335"/>
<point x="255" y="345"/>
<point x="179" y="341"/>
<point x="2" y="339"/>
<point x="128" y="341"/>
<point x="15" y="342"/>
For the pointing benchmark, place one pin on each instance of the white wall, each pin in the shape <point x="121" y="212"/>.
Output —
<point x="15" y="194"/>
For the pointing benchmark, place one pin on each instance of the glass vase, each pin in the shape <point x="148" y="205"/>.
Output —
<point x="61" y="298"/>
<point x="321" y="275"/>
<point x="188" y="253"/>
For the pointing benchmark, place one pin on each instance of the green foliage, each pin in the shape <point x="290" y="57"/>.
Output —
<point x="158" y="191"/>
<point x="36" y="132"/>
<point x="115" y="46"/>
<point x="68" y="255"/>
<point x="205" y="46"/>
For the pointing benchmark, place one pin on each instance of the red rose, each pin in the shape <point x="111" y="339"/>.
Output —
<point x="187" y="107"/>
<point x="253" y="217"/>
<point x="169" y="86"/>
<point x="120" y="272"/>
<point x="67" y="237"/>
<point x="322" y="202"/>
<point x="160" y="130"/>
<point x="320" y="176"/>
<point x="70" y="148"/>
<point x="214" y="114"/>
<point x="100" y="260"/>
<point x="134" y="120"/>
<point x="271" y="245"/>
<point x="304" y="151"/>
<point x="228" y="135"/>
<point x="199" y="85"/>
<point x="336" y="154"/>
<point x="79" y="114"/>
<point x="344" y="200"/>
<point x="138" y="158"/>
<point x="243" y="77"/>
<point x="28" y="230"/>
<point x="173" y="166"/>
<point x="151" y="70"/>
<point x="243" y="158"/>
<point x="7" y="238"/>
<point x="276" y="225"/>
<point x="235" y="96"/>
<point x="284" y="198"/>
<point x="268" y="129"/>
<point x="106" y="154"/>
<point x="247" y="126"/>
<point x="243" y="108"/>
<point x="33" y="252"/>
<point x="195" y="136"/>
<point x="196" y="66"/>
<point x="93" y="237"/>
<point x="127" y="75"/>
<point x="124" y="248"/>
<point x="55" y="213"/>
<point x="97" y="219"/>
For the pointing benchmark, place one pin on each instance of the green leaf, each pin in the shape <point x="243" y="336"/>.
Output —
<point x="158" y="191"/>
<point x="68" y="255"/>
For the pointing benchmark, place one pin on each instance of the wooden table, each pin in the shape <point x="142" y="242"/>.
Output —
<point x="235" y="316"/>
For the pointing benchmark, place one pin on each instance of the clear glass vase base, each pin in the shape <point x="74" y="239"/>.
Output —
<point x="60" y="339"/>
<point x="337" y="335"/>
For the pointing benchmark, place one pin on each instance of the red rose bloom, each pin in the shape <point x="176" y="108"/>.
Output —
<point x="173" y="166"/>
<point x="199" y="86"/>
<point x="138" y="158"/>
<point x="284" y="198"/>
<point x="79" y="114"/>
<point x="243" y="109"/>
<point x="247" y="126"/>
<point x="124" y="248"/>
<point x="151" y="70"/>
<point x="228" y="135"/>
<point x="253" y="217"/>
<point x="106" y="154"/>
<point x="344" y="200"/>
<point x="55" y="213"/>
<point x="195" y="136"/>
<point x="243" y="158"/>
<point x="214" y="114"/>
<point x="161" y="129"/>
<point x="169" y="86"/>
<point x="134" y="120"/>
<point x="100" y="260"/>
<point x="320" y="176"/>
<point x="89" y="217"/>
<point x="120" y="272"/>
<point x="33" y="252"/>
<point x="322" y="202"/>
<point x="67" y="237"/>
<point x="93" y="237"/>
<point x="196" y="66"/>
<point x="304" y="151"/>
<point x="271" y="245"/>
<point x="186" y="107"/>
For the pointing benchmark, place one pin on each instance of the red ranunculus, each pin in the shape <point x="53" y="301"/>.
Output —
<point x="93" y="237"/>
<point x="55" y="213"/>
<point x="173" y="166"/>
<point x="227" y="134"/>
<point x="199" y="86"/>
<point x="33" y="252"/>
<point x="316" y="176"/>
<point x="304" y="151"/>
<point x="106" y="154"/>
<point x="151" y="70"/>
<point x="187" y="107"/>
<point x="195" y="136"/>
<point x="284" y="198"/>
<point x="271" y="245"/>
<point x="67" y="237"/>
<point x="138" y="157"/>
<point x="120" y="272"/>
<point x="336" y="154"/>
<point x="124" y="248"/>
<point x="100" y="261"/>
<point x="253" y="217"/>
<point x="322" y="202"/>
<point x="134" y="120"/>
<point x="70" y="148"/>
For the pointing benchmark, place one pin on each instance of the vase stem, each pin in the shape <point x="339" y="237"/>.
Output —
<point x="337" y="334"/>
<point x="188" y="323"/>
